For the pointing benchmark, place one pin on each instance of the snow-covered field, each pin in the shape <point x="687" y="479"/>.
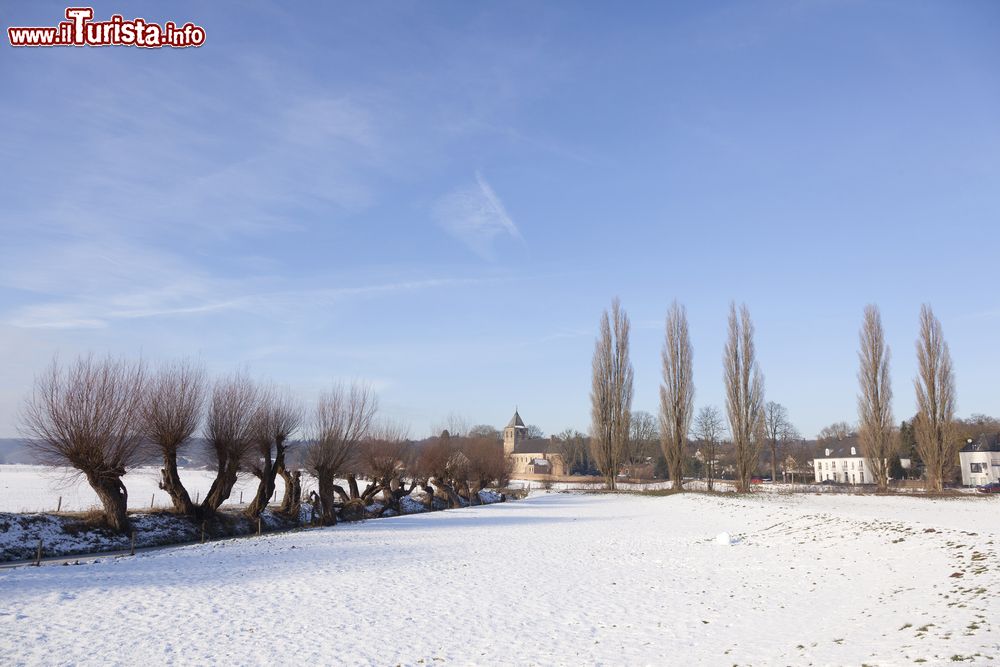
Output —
<point x="554" y="579"/>
<point x="27" y="488"/>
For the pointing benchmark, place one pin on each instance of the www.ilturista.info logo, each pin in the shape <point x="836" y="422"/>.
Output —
<point x="81" y="30"/>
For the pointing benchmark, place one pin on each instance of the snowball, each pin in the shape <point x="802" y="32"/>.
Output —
<point x="723" y="538"/>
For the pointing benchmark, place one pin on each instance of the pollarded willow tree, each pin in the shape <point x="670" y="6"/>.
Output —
<point x="171" y="413"/>
<point x="744" y="395"/>
<point x="344" y="417"/>
<point x="88" y="415"/>
<point x="229" y="431"/>
<point x="676" y="393"/>
<point x="935" y="384"/>
<point x="875" y="421"/>
<point x="611" y="394"/>
<point x="278" y="415"/>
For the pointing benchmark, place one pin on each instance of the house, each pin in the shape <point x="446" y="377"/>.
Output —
<point x="841" y="461"/>
<point x="980" y="460"/>
<point x="531" y="456"/>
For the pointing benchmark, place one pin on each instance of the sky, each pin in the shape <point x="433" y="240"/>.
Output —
<point x="441" y="198"/>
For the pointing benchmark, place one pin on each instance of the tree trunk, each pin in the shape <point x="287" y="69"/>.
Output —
<point x="170" y="481"/>
<point x="114" y="499"/>
<point x="344" y="498"/>
<point x="324" y="482"/>
<point x="288" y="497"/>
<point x="774" y="464"/>
<point x="428" y="494"/>
<point x="265" y="489"/>
<point x="454" y="500"/>
<point x="222" y="487"/>
<point x="352" y="483"/>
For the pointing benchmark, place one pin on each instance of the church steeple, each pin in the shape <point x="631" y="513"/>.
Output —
<point x="514" y="433"/>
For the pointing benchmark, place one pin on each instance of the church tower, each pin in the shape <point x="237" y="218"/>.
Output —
<point x="515" y="433"/>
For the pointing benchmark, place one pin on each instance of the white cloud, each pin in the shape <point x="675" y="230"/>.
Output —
<point x="476" y="216"/>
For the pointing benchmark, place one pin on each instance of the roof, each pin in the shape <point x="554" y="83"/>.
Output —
<point x="986" y="442"/>
<point x="839" y="449"/>
<point x="515" y="421"/>
<point x="533" y="446"/>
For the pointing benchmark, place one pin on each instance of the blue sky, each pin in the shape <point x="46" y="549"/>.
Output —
<point x="441" y="198"/>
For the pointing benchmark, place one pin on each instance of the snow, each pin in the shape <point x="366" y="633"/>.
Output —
<point x="29" y="488"/>
<point x="553" y="579"/>
<point x="725" y="539"/>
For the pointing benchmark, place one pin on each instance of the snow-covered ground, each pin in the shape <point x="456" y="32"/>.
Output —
<point x="554" y="579"/>
<point x="27" y="488"/>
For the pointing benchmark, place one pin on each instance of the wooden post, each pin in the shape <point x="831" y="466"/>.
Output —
<point x="241" y="497"/>
<point x="38" y="554"/>
<point x="151" y="499"/>
<point x="132" y="550"/>
<point x="197" y="497"/>
<point x="59" y="506"/>
<point x="258" y="526"/>
<point x="202" y="532"/>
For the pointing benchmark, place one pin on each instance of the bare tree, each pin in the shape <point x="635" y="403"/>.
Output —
<point x="611" y="394"/>
<point x="278" y="416"/>
<point x="172" y="411"/>
<point x="385" y="456"/>
<point x="744" y="395"/>
<point x="88" y="416"/>
<point x="572" y="446"/>
<point x="229" y="430"/>
<point x="709" y="429"/>
<point x="778" y="430"/>
<point x="935" y="387"/>
<point x="432" y="466"/>
<point x="343" y="419"/>
<point x="486" y="431"/>
<point x="643" y="439"/>
<point x="676" y="393"/>
<point x="836" y="431"/>
<point x="487" y="465"/>
<point x="534" y="432"/>
<point x="878" y="441"/>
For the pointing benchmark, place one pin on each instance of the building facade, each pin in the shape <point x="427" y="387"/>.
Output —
<point x="843" y="463"/>
<point x="980" y="461"/>
<point x="531" y="456"/>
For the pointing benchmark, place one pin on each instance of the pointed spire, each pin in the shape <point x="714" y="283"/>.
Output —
<point x="515" y="421"/>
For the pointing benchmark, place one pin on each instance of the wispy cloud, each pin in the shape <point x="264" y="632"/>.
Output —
<point x="476" y="216"/>
<point x="162" y="294"/>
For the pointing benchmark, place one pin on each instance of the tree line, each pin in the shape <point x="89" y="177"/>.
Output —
<point x="755" y="424"/>
<point x="104" y="416"/>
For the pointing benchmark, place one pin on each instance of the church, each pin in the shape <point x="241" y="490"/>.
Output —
<point x="531" y="456"/>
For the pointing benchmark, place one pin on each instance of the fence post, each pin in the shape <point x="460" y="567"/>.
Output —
<point x="59" y="506"/>
<point x="151" y="499"/>
<point x="202" y="532"/>
<point x="132" y="550"/>
<point x="38" y="554"/>
<point x="259" y="522"/>
<point x="197" y="497"/>
<point x="241" y="497"/>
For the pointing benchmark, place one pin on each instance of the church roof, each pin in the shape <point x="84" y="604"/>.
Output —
<point x="515" y="421"/>
<point x="533" y="446"/>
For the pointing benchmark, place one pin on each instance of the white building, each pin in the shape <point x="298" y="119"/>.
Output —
<point x="980" y="461"/>
<point x="842" y="462"/>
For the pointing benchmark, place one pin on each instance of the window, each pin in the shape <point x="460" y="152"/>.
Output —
<point x="977" y="467"/>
